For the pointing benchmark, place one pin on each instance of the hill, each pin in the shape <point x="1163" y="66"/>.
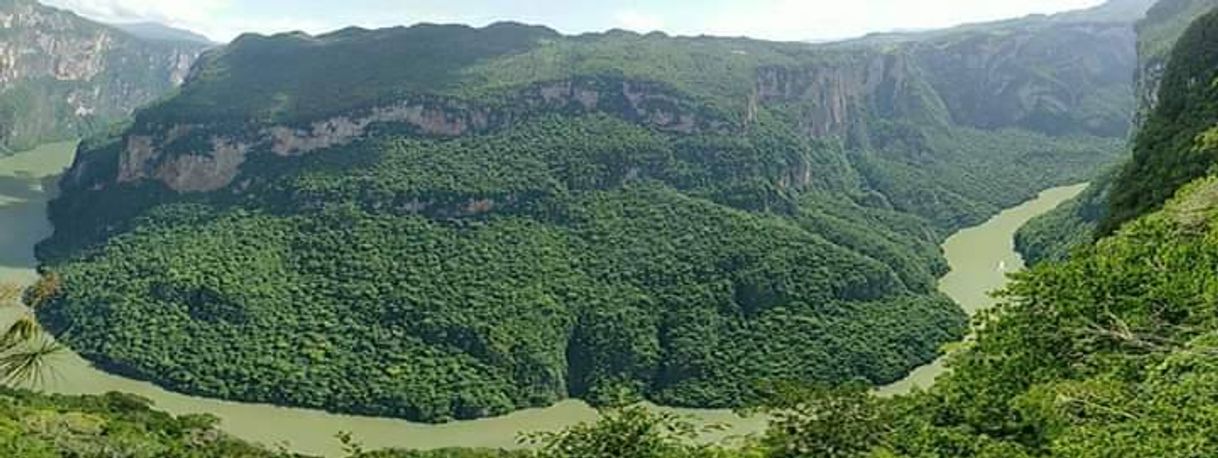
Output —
<point x="441" y="222"/>
<point x="1108" y="353"/>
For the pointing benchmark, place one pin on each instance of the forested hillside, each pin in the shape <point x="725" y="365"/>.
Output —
<point x="442" y="222"/>
<point x="36" y="426"/>
<point x="63" y="77"/>
<point x="1054" y="235"/>
<point x="1109" y="353"/>
<point x="1178" y="144"/>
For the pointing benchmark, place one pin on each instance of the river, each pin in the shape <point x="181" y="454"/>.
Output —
<point x="979" y="257"/>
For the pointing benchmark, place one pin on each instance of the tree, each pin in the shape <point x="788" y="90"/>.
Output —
<point x="25" y="350"/>
<point x="822" y="422"/>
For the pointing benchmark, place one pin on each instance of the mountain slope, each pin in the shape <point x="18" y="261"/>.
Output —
<point x="64" y="77"/>
<point x="1110" y="350"/>
<point x="1052" y="236"/>
<point x="1183" y="120"/>
<point x="1109" y="353"/>
<point x="442" y="222"/>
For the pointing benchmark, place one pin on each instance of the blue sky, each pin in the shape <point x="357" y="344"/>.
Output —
<point x="768" y="19"/>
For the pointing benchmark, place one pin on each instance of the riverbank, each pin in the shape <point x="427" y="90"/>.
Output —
<point x="974" y="255"/>
<point x="981" y="258"/>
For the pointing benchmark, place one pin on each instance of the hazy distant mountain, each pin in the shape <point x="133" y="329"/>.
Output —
<point x="63" y="76"/>
<point x="1112" y="11"/>
<point x="162" y="32"/>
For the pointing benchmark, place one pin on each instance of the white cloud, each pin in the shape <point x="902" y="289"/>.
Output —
<point x="196" y="15"/>
<point x="766" y="19"/>
<point x="202" y="16"/>
<point x="637" y="21"/>
<point x="804" y="19"/>
<point x="171" y="12"/>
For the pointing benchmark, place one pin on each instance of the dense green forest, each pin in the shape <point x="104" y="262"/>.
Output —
<point x="36" y="426"/>
<point x="1110" y="352"/>
<point x="443" y="222"/>
<point x="648" y="290"/>
<point x="1107" y="352"/>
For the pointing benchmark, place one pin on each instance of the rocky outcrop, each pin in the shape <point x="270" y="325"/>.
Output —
<point x="1157" y="35"/>
<point x="62" y="76"/>
<point x="216" y="153"/>
<point x="838" y="99"/>
<point x="988" y="79"/>
<point x="865" y="94"/>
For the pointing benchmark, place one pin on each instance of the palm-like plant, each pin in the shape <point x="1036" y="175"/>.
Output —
<point x="25" y="350"/>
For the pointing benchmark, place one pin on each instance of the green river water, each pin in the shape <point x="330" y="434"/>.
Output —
<point x="980" y="258"/>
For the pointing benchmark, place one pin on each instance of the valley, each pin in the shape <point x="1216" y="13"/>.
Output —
<point x="513" y="241"/>
<point x="973" y="255"/>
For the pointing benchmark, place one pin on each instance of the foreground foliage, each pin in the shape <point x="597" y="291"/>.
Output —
<point x="37" y="426"/>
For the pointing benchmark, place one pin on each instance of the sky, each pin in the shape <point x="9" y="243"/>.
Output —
<point x="791" y="20"/>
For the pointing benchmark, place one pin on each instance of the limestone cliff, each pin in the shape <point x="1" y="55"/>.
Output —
<point x="62" y="76"/>
<point x="1157" y="35"/>
<point x="858" y="92"/>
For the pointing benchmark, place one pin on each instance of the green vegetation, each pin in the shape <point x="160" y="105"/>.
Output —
<point x="1163" y="25"/>
<point x="37" y="426"/>
<point x="667" y="270"/>
<point x="1179" y="143"/>
<point x="597" y="250"/>
<point x="1055" y="235"/>
<point x="582" y="280"/>
<point x="1110" y="352"/>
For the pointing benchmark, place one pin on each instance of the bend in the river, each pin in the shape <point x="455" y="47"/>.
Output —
<point x="980" y="258"/>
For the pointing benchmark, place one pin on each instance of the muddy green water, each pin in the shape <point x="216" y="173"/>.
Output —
<point x="979" y="257"/>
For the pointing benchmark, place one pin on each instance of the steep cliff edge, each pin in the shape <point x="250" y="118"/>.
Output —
<point x="1054" y="235"/>
<point x="1178" y="143"/>
<point x="1111" y="350"/>
<point x="64" y="77"/>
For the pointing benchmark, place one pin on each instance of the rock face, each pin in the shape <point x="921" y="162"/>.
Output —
<point x="989" y="79"/>
<point x="986" y="78"/>
<point x="62" y="76"/>
<point x="214" y="161"/>
<point x="1157" y="35"/>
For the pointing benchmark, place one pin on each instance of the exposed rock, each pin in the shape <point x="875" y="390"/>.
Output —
<point x="203" y="173"/>
<point x="135" y="158"/>
<point x="835" y="98"/>
<point x="74" y="76"/>
<point x="148" y="155"/>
